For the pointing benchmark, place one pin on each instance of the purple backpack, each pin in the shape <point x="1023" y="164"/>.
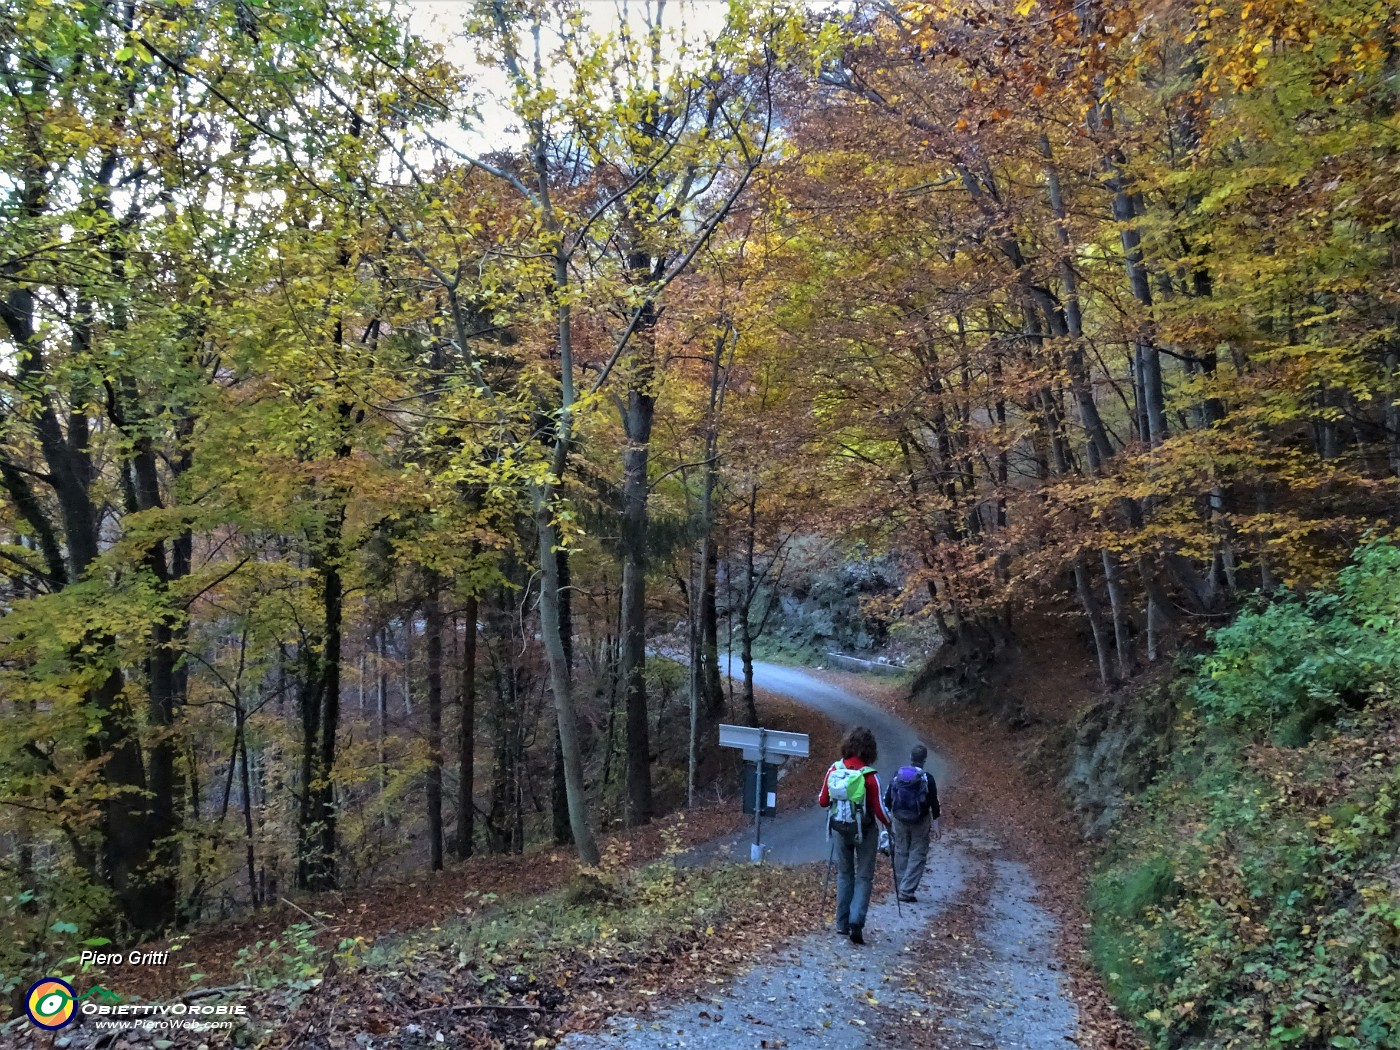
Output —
<point x="908" y="794"/>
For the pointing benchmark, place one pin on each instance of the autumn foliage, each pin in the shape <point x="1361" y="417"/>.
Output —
<point x="370" y="407"/>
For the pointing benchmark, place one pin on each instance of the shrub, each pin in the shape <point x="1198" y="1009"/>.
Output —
<point x="1282" y="668"/>
<point x="1249" y="897"/>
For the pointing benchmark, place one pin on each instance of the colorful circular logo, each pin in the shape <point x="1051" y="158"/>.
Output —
<point x="49" y="1003"/>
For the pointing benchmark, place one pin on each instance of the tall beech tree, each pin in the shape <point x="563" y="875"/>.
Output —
<point x="675" y="127"/>
<point x="645" y="156"/>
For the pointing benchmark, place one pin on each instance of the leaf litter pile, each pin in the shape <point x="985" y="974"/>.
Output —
<point x="934" y="976"/>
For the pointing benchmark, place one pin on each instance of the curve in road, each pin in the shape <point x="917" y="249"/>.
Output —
<point x="799" y="837"/>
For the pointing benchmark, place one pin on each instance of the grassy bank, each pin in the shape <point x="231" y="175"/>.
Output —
<point x="1249" y="898"/>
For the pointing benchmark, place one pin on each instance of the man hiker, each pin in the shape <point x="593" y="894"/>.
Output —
<point x="851" y="796"/>
<point x="912" y="800"/>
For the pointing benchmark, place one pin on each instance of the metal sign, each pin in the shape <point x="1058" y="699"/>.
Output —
<point x="765" y="744"/>
<point x="767" y="792"/>
<point x="761" y="747"/>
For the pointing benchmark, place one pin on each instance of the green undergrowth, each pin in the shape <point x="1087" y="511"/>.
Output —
<point x="781" y="649"/>
<point x="1251" y="895"/>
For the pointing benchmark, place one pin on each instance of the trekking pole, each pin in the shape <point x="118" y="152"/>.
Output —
<point x="826" y="879"/>
<point x="894" y="875"/>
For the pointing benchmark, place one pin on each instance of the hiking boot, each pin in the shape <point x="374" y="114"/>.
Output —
<point x="910" y="899"/>
<point x="857" y="935"/>
<point x="843" y="931"/>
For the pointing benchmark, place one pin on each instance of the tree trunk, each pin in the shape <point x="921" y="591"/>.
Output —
<point x="517" y="785"/>
<point x="1098" y="447"/>
<point x="609" y="752"/>
<point x="381" y="704"/>
<point x="561" y="685"/>
<point x="1118" y="607"/>
<point x="1090" y="602"/>
<point x="558" y="788"/>
<point x="126" y="840"/>
<point x="692" y="624"/>
<point x="637" y="420"/>
<point x="246" y="786"/>
<point x="167" y="681"/>
<point x="750" y="705"/>
<point x="466" y="735"/>
<point x="746" y="632"/>
<point x="432" y="614"/>
<point x="309" y="707"/>
<point x="320" y="718"/>
<point x="1392" y="409"/>
<point x="1158" y="608"/>
<point x="1147" y="360"/>
<point x="704" y="655"/>
<point x="563" y="834"/>
<point x="709" y="633"/>
<point x="335" y="608"/>
<point x="406" y="680"/>
<point x="497" y="824"/>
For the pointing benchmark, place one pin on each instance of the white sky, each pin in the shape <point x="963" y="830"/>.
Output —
<point x="441" y="21"/>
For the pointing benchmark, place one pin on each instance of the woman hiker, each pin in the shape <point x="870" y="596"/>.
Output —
<point x="851" y="796"/>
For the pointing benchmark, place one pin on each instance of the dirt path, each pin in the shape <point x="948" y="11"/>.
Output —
<point x="973" y="964"/>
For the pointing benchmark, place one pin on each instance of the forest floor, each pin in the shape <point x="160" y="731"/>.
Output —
<point x="217" y="953"/>
<point x="514" y="952"/>
<point x="499" y="951"/>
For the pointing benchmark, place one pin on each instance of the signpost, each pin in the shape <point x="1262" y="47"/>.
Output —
<point x="762" y="747"/>
<point x="767" y="792"/>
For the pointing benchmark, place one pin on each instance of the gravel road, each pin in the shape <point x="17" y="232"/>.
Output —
<point x="973" y="964"/>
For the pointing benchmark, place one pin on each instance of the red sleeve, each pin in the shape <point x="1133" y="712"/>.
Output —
<point x="872" y="792"/>
<point x="823" y="799"/>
